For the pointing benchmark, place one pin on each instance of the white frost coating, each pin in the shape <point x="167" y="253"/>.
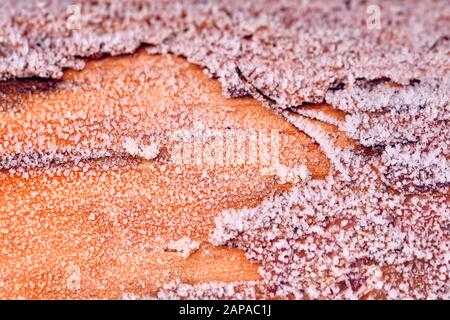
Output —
<point x="395" y="88"/>
<point x="292" y="175"/>
<point x="132" y="296"/>
<point x="184" y="246"/>
<point x="318" y="115"/>
<point x="209" y="291"/>
<point x="337" y="239"/>
<point x="321" y="137"/>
